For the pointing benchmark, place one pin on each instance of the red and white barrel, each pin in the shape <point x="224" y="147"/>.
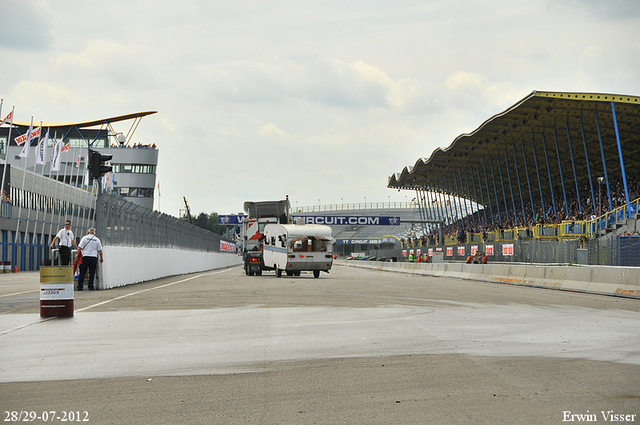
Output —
<point x="56" y="291"/>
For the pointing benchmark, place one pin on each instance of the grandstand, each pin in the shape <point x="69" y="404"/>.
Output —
<point x="556" y="173"/>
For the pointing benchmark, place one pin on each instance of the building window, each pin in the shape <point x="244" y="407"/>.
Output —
<point x="134" y="168"/>
<point x="134" y="192"/>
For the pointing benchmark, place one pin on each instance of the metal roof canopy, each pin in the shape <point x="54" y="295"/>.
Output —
<point x="92" y="123"/>
<point x="538" y="120"/>
<point x="102" y="123"/>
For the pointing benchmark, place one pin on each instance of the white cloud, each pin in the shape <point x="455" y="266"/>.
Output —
<point x="271" y="129"/>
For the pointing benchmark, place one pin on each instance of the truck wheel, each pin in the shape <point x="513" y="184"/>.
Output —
<point x="278" y="272"/>
<point x="316" y="273"/>
<point x="259" y="273"/>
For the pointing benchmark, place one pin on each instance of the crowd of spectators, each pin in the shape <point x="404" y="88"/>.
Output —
<point x="579" y="208"/>
<point x="134" y="146"/>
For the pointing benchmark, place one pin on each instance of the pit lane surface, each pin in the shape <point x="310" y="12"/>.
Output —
<point x="355" y="346"/>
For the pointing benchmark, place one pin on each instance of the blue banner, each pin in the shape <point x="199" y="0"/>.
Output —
<point x="358" y="241"/>
<point x="342" y="220"/>
<point x="230" y="220"/>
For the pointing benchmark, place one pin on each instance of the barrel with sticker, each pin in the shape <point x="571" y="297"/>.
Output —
<point x="56" y="291"/>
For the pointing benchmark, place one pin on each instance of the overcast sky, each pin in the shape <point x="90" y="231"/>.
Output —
<point x="320" y="100"/>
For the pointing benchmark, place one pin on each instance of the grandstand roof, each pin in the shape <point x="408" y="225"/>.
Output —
<point x="536" y="122"/>
<point x="92" y="123"/>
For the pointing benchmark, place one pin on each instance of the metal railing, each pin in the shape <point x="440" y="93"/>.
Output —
<point x="620" y="251"/>
<point x="122" y="223"/>
<point x="354" y="206"/>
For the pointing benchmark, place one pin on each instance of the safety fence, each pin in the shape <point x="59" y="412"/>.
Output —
<point x="612" y="251"/>
<point x="122" y="223"/>
<point x="39" y="207"/>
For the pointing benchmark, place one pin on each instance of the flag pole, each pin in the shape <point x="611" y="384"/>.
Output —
<point x="24" y="177"/>
<point x="44" y="220"/>
<point x="41" y="153"/>
<point x="6" y="154"/>
<point x="35" y="173"/>
<point x="56" y="164"/>
<point x="80" y="224"/>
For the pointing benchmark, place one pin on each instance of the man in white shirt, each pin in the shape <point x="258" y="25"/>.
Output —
<point x="67" y="239"/>
<point x="91" y="248"/>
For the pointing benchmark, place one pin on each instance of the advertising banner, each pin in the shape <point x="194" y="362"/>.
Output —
<point x="351" y="220"/>
<point x="507" y="249"/>
<point x="230" y="220"/>
<point x="358" y="241"/>
<point x="227" y="246"/>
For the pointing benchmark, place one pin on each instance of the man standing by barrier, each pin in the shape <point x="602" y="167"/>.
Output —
<point x="90" y="247"/>
<point x="67" y="240"/>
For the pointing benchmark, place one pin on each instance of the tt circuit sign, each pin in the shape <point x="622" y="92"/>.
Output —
<point x="353" y="220"/>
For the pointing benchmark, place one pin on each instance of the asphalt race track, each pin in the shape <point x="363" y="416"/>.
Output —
<point x="355" y="346"/>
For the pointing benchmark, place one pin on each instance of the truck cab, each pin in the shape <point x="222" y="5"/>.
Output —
<point x="259" y="214"/>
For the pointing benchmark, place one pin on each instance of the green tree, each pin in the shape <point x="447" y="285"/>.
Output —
<point x="209" y="222"/>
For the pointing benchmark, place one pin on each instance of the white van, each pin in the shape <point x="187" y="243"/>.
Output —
<point x="292" y="248"/>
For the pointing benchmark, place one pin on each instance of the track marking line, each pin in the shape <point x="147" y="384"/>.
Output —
<point x="151" y="289"/>
<point x="19" y="293"/>
<point x="46" y="319"/>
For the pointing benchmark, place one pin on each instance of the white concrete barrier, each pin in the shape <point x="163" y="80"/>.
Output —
<point x="128" y="265"/>
<point x="604" y="280"/>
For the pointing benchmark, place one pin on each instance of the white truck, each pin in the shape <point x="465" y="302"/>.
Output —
<point x="293" y="248"/>
<point x="259" y="214"/>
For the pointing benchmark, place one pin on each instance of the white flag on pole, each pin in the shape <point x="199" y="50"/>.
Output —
<point x="41" y="151"/>
<point x="8" y="118"/>
<point x="32" y="134"/>
<point x="24" y="153"/>
<point x="56" y="156"/>
<point x="25" y="149"/>
<point x="79" y="159"/>
<point x="85" y="181"/>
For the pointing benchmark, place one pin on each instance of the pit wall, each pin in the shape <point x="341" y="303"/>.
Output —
<point x="128" y="265"/>
<point x="603" y="280"/>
